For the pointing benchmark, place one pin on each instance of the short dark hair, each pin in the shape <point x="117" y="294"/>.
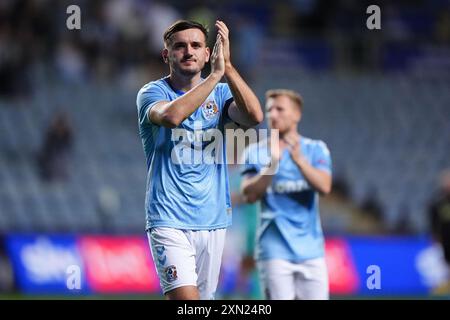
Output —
<point x="181" y="25"/>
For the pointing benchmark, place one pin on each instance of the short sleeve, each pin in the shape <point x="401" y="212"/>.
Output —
<point x="226" y="98"/>
<point x="147" y="97"/>
<point x="322" y="158"/>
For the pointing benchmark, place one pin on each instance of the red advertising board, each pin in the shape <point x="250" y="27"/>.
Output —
<point x="342" y="274"/>
<point x="118" y="264"/>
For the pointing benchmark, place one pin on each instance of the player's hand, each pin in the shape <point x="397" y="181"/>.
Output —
<point x="217" y="59"/>
<point x="293" y="145"/>
<point x="223" y="31"/>
<point x="275" y="151"/>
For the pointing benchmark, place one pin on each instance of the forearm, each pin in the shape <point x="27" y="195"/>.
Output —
<point x="255" y="187"/>
<point x="318" y="179"/>
<point x="246" y="101"/>
<point x="181" y="108"/>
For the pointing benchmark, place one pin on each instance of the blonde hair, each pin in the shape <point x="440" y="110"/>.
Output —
<point x="291" y="94"/>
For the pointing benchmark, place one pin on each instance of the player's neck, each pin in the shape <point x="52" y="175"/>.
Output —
<point x="184" y="83"/>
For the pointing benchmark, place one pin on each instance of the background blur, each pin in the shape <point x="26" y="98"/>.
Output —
<point x="72" y="168"/>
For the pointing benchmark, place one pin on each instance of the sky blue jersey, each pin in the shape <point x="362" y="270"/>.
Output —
<point x="185" y="191"/>
<point x="289" y="225"/>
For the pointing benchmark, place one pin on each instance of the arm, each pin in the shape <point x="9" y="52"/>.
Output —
<point x="254" y="187"/>
<point x="171" y="114"/>
<point x="245" y="109"/>
<point x="317" y="178"/>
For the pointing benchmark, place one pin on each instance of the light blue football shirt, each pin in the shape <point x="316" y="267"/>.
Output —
<point x="183" y="191"/>
<point x="289" y="224"/>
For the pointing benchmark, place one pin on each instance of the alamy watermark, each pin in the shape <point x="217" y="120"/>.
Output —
<point x="374" y="20"/>
<point x="73" y="279"/>
<point x="73" y="22"/>
<point x="201" y="146"/>
<point x="374" y="280"/>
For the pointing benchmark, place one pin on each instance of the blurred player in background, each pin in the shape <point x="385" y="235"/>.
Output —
<point x="439" y="211"/>
<point x="290" y="243"/>
<point x="188" y="205"/>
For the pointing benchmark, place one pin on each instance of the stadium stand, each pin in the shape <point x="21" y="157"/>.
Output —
<point x="392" y="137"/>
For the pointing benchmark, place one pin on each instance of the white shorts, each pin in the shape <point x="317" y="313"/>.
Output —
<point x="187" y="258"/>
<point x="284" y="280"/>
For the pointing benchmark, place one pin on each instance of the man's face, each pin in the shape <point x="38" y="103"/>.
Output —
<point x="186" y="53"/>
<point x="282" y="113"/>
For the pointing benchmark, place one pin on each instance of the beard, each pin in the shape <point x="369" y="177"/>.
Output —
<point x="187" y="71"/>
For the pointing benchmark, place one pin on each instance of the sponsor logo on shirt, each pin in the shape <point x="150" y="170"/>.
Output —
<point x="288" y="186"/>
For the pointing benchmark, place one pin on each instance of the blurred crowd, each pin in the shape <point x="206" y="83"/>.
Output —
<point x="121" y="39"/>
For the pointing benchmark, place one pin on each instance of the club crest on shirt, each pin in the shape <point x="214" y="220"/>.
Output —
<point x="210" y="109"/>
<point x="171" y="273"/>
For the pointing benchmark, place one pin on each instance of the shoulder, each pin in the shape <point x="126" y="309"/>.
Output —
<point x="316" y="145"/>
<point x="221" y="88"/>
<point x="151" y="92"/>
<point x="252" y="158"/>
<point x="157" y="85"/>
